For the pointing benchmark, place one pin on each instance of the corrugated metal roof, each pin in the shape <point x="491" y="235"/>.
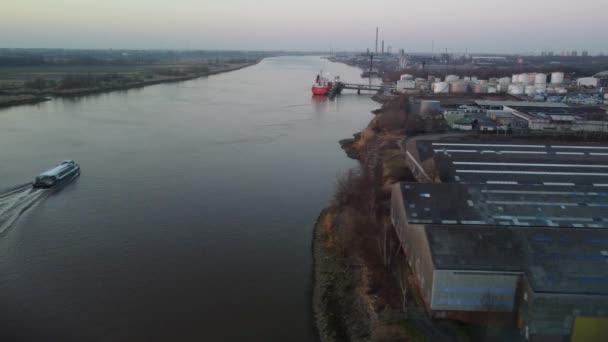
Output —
<point x="521" y="104"/>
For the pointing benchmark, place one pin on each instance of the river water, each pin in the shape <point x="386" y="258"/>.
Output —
<point x="193" y="214"/>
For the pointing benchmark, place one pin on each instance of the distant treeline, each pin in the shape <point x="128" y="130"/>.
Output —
<point x="60" y="57"/>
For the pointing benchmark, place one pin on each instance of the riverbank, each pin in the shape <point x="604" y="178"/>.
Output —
<point x="26" y="94"/>
<point x="363" y="287"/>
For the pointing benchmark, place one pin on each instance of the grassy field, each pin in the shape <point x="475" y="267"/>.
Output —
<point x="12" y="74"/>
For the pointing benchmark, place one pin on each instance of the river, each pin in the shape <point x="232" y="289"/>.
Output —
<point x="192" y="218"/>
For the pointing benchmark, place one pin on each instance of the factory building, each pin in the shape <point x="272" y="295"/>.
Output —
<point x="514" y="230"/>
<point x="602" y="78"/>
<point x="587" y="82"/>
<point x="563" y="120"/>
<point x="537" y="117"/>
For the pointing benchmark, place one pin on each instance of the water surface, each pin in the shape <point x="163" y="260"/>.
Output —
<point x="192" y="217"/>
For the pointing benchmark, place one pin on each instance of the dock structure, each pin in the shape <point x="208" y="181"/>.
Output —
<point x="339" y="86"/>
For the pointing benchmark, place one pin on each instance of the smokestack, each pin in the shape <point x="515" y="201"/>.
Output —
<point x="376" y="40"/>
<point x="383" y="47"/>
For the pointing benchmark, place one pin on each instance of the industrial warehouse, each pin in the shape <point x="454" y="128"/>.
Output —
<point x="526" y="117"/>
<point x="518" y="231"/>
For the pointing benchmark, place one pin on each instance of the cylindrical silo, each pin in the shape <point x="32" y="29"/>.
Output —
<point x="441" y="87"/>
<point x="557" y="77"/>
<point x="450" y="78"/>
<point x="541" y="88"/>
<point x="480" y="89"/>
<point x="459" y="87"/>
<point x="540" y="79"/>
<point x="429" y="106"/>
<point x="531" y="78"/>
<point x="516" y="89"/>
<point x="529" y="90"/>
<point x="523" y="78"/>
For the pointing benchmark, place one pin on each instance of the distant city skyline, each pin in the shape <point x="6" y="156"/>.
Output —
<point x="476" y="26"/>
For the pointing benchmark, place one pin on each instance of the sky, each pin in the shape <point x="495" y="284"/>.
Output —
<point x="513" y="26"/>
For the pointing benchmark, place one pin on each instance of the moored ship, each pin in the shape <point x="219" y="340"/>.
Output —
<point x="322" y="85"/>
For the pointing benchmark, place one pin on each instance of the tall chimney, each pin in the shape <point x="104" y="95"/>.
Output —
<point x="376" y="40"/>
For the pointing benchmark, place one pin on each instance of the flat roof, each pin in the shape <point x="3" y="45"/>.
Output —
<point x="521" y="103"/>
<point x="565" y="261"/>
<point x="564" y="164"/>
<point x="586" y="113"/>
<point x="573" y="261"/>
<point x="506" y="205"/>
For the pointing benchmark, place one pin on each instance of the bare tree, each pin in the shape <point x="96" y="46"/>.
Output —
<point x="402" y="276"/>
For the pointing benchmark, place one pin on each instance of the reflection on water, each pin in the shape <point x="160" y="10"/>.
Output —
<point x="192" y="217"/>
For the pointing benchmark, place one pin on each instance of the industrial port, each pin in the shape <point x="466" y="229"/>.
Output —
<point x="503" y="218"/>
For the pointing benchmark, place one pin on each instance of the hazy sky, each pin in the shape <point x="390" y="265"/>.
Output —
<point x="476" y="25"/>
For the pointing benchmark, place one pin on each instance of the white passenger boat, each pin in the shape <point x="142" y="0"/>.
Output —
<point x="65" y="171"/>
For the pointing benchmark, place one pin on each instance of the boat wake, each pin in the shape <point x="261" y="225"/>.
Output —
<point x="15" y="201"/>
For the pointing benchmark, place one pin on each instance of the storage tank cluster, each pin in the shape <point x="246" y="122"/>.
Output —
<point x="518" y="84"/>
<point x="533" y="83"/>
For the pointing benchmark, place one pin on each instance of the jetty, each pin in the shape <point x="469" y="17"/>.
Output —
<point x="339" y="86"/>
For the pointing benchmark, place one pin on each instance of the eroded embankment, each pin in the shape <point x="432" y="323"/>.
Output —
<point x="361" y="281"/>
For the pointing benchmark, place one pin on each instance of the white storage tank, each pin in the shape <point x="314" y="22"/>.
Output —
<point x="483" y="82"/>
<point x="529" y="90"/>
<point x="406" y="77"/>
<point x="541" y="88"/>
<point x="441" y="87"/>
<point x="557" y="78"/>
<point x="480" y="89"/>
<point x="561" y="90"/>
<point x="474" y="78"/>
<point x="531" y="78"/>
<point x="429" y="106"/>
<point x="459" y="87"/>
<point x="504" y="80"/>
<point x="540" y="79"/>
<point x="516" y="89"/>
<point x="523" y="78"/>
<point x="606" y="96"/>
<point x="466" y="79"/>
<point x="451" y="78"/>
<point x="492" y="90"/>
<point x="515" y="79"/>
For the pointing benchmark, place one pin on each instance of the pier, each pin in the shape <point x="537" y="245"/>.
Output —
<point x="339" y="86"/>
